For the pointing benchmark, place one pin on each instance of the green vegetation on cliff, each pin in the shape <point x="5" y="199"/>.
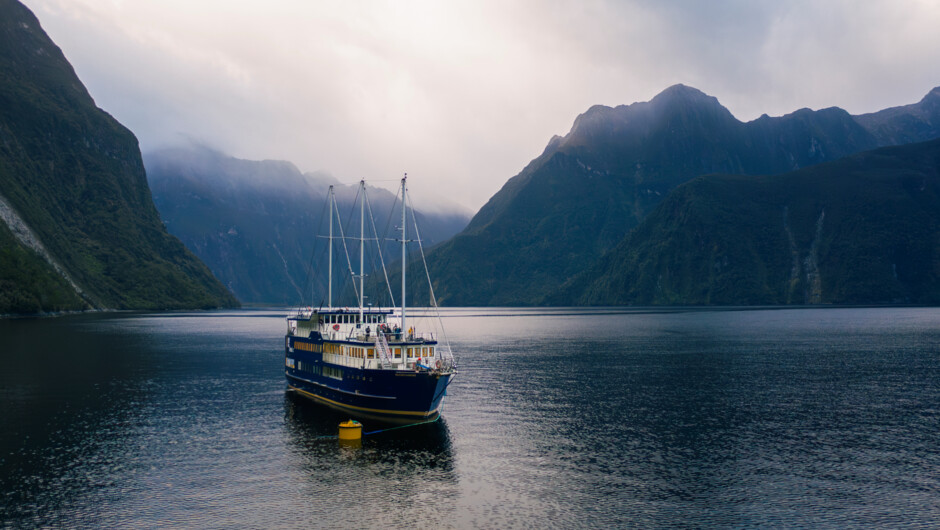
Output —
<point x="74" y="175"/>
<point x="30" y="285"/>
<point x="864" y="229"/>
<point x="587" y="190"/>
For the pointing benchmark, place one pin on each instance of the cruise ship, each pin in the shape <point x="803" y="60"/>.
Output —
<point x="371" y="363"/>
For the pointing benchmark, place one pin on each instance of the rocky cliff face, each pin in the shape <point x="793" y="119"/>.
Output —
<point x="74" y="176"/>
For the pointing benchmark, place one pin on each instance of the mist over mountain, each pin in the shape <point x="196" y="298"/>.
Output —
<point x="860" y="230"/>
<point x="588" y="189"/>
<point x="79" y="227"/>
<point x="255" y="223"/>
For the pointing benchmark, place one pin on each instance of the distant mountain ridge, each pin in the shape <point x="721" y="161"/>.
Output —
<point x="859" y="230"/>
<point x="906" y="124"/>
<point x="255" y="223"/>
<point x="588" y="189"/>
<point x="80" y="230"/>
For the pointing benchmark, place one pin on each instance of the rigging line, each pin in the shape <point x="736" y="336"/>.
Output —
<point x="391" y="213"/>
<point x="382" y="248"/>
<point x="342" y="235"/>
<point x="313" y="257"/>
<point x="381" y="257"/>
<point x="427" y="274"/>
<point x="319" y="279"/>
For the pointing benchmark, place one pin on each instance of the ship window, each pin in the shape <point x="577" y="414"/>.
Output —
<point x="431" y="351"/>
<point x="397" y="353"/>
<point x="371" y="353"/>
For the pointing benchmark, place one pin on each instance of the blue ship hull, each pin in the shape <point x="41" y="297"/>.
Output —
<point x="398" y="396"/>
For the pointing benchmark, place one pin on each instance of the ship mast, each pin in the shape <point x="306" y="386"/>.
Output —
<point x="329" y="281"/>
<point x="404" y="191"/>
<point x="362" y="244"/>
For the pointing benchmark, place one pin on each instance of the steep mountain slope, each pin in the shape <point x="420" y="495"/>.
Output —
<point x="74" y="176"/>
<point x="585" y="192"/>
<point x="864" y="229"/>
<point x="255" y="223"/>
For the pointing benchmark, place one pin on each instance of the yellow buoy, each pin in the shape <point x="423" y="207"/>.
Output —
<point x="350" y="430"/>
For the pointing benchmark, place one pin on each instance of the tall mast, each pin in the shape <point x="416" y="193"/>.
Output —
<point x="404" y="191"/>
<point x="329" y="281"/>
<point x="362" y="244"/>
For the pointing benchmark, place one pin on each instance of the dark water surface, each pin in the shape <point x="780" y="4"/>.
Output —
<point x="796" y="417"/>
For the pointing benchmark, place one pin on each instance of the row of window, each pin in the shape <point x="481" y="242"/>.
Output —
<point x="412" y="353"/>
<point x="307" y="367"/>
<point x="352" y="318"/>
<point x="314" y="369"/>
<point x="423" y="352"/>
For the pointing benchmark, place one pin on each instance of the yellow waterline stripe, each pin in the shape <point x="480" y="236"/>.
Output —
<point x="364" y="409"/>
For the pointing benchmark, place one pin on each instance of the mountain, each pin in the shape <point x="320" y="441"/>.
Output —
<point x="907" y="124"/>
<point x="588" y="189"/>
<point x="79" y="226"/>
<point x="863" y="229"/>
<point x="255" y="223"/>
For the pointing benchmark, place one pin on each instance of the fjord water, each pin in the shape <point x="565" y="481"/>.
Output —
<point x="558" y="418"/>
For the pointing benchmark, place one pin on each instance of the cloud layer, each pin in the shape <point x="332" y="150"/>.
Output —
<point x="462" y="94"/>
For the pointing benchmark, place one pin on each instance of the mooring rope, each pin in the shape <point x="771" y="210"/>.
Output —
<point x="336" y="436"/>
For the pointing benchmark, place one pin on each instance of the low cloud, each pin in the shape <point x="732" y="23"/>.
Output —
<point x="461" y="95"/>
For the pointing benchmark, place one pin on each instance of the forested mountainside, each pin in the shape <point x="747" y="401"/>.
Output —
<point x="860" y="230"/>
<point x="587" y="190"/>
<point x="80" y="229"/>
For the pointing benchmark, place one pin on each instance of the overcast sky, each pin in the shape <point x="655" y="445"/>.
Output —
<point x="461" y="95"/>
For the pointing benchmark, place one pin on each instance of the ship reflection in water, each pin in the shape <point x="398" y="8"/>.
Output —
<point x="395" y="478"/>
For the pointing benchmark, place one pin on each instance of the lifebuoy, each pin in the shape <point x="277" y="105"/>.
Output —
<point x="438" y="364"/>
<point x="336" y="327"/>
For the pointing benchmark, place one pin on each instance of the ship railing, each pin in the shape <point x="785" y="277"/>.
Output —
<point x="410" y="337"/>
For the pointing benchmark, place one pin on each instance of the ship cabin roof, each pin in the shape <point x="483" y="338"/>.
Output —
<point x="343" y="316"/>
